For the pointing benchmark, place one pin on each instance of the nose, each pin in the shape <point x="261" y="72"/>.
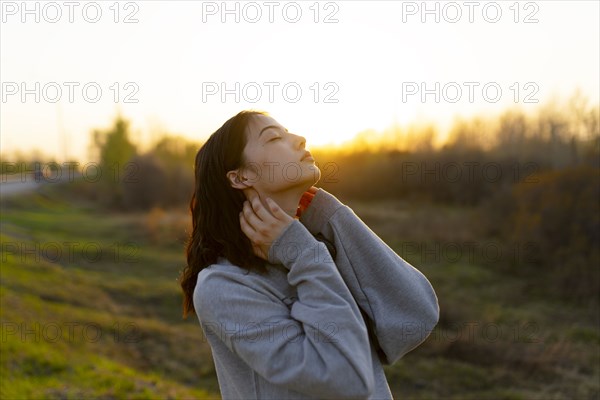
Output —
<point x="301" y="141"/>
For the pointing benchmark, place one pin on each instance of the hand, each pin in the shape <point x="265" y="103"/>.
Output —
<point x="260" y="224"/>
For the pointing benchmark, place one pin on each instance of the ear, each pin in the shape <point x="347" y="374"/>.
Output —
<point x="237" y="181"/>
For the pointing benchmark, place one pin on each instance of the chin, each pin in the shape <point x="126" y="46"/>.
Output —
<point x="316" y="175"/>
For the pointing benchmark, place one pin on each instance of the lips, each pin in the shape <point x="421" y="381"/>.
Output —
<point x="306" y="155"/>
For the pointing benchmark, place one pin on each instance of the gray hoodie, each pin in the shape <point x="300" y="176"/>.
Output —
<point x="337" y="304"/>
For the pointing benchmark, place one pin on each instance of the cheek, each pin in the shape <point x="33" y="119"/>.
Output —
<point x="279" y="167"/>
<point x="261" y="157"/>
<point x="275" y="157"/>
<point x="265" y="165"/>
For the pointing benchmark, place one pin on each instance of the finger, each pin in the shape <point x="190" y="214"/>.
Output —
<point x="274" y="208"/>
<point x="263" y="213"/>
<point x="250" y="193"/>
<point x="250" y="214"/>
<point x="246" y="227"/>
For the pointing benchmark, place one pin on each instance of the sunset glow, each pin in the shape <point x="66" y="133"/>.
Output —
<point x="367" y="67"/>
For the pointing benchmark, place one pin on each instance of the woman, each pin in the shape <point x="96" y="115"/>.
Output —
<point x="296" y="296"/>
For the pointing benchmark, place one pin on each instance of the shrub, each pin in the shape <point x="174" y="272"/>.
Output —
<point x="561" y="214"/>
<point x="147" y="187"/>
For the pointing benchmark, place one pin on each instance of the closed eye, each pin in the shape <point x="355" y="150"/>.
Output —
<point x="275" y="138"/>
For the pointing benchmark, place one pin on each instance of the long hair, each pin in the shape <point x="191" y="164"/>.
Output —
<point x="215" y="207"/>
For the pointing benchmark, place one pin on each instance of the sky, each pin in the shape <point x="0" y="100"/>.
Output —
<point x="326" y="70"/>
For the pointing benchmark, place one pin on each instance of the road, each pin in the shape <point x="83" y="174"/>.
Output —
<point x="18" y="184"/>
<point x="11" y="188"/>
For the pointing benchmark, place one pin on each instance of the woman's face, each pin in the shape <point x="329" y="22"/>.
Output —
<point x="274" y="158"/>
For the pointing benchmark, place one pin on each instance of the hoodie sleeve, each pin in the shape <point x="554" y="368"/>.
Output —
<point x="400" y="303"/>
<point x="319" y="346"/>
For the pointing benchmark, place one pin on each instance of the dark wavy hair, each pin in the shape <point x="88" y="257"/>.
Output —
<point x="215" y="207"/>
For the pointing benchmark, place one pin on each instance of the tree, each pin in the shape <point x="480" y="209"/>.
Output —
<point x="114" y="150"/>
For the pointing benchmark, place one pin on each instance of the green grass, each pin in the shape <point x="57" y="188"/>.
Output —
<point x="494" y="341"/>
<point x="78" y="327"/>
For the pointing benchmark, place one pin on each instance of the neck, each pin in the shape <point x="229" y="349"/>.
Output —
<point x="288" y="200"/>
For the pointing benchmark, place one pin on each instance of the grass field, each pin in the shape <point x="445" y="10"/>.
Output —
<point x="91" y="309"/>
